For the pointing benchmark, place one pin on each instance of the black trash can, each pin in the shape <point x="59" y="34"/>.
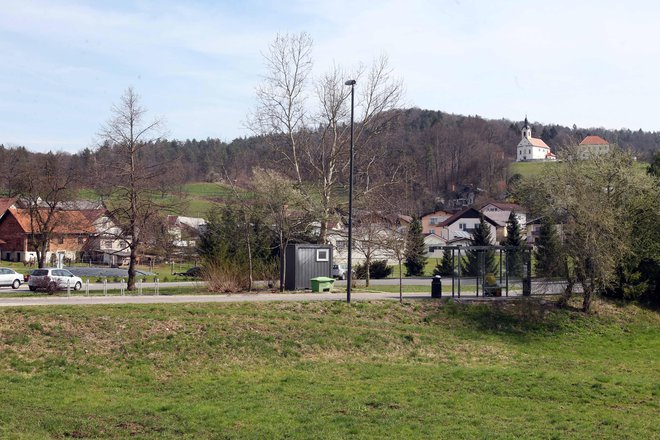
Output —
<point x="436" y="287"/>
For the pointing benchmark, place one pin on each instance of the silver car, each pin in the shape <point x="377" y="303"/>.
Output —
<point x="339" y="271"/>
<point x="52" y="279"/>
<point x="9" y="277"/>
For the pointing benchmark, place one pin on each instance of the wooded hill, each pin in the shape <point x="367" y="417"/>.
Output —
<point x="426" y="155"/>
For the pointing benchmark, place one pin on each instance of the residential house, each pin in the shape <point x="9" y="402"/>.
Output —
<point x="432" y="220"/>
<point x="534" y="230"/>
<point x="372" y="230"/>
<point x="521" y="213"/>
<point x="108" y="245"/>
<point x="71" y="232"/>
<point x="461" y="224"/>
<point x="531" y="148"/>
<point x="593" y="146"/>
<point x="185" y="232"/>
<point x="461" y="196"/>
<point x="433" y="245"/>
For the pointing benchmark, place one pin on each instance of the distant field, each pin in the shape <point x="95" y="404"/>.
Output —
<point x="198" y="198"/>
<point x="528" y="169"/>
<point x="421" y="369"/>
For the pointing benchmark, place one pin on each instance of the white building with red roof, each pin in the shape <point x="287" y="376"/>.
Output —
<point x="593" y="146"/>
<point x="531" y="148"/>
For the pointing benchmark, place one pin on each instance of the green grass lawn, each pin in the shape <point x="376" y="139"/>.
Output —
<point x="528" y="169"/>
<point x="329" y="370"/>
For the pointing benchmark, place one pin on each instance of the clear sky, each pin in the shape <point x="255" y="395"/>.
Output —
<point x="196" y="63"/>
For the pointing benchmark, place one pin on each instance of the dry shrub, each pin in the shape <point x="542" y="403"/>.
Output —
<point x="226" y="277"/>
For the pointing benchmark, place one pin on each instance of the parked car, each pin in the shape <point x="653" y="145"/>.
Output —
<point x="193" y="272"/>
<point x="53" y="279"/>
<point x="339" y="271"/>
<point x="9" y="277"/>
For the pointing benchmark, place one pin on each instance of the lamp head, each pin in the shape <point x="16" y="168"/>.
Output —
<point x="350" y="82"/>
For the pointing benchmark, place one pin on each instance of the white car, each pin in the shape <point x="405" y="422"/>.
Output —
<point x="339" y="271"/>
<point x="9" y="277"/>
<point x="53" y="279"/>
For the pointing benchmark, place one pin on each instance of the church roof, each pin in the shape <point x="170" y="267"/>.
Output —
<point x="538" y="143"/>
<point x="594" y="140"/>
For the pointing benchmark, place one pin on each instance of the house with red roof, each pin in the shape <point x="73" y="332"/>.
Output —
<point x="531" y="148"/>
<point x="70" y="232"/>
<point x="593" y="146"/>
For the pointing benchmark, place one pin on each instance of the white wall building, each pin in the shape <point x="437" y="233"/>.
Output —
<point x="592" y="146"/>
<point x="531" y="148"/>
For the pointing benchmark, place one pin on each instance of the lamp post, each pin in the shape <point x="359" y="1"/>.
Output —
<point x="349" y="279"/>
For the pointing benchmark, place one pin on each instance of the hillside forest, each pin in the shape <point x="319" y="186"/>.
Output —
<point x="421" y="157"/>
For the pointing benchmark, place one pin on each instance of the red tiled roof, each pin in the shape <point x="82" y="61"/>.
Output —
<point x="5" y="203"/>
<point x="594" y="140"/>
<point x="539" y="143"/>
<point x="66" y="222"/>
<point x="93" y="214"/>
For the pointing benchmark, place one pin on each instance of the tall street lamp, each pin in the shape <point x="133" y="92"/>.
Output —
<point x="349" y="279"/>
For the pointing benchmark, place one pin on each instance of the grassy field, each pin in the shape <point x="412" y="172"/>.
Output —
<point x="329" y="370"/>
<point x="529" y="169"/>
<point x="199" y="197"/>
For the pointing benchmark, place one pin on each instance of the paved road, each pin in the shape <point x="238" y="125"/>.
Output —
<point x="179" y="299"/>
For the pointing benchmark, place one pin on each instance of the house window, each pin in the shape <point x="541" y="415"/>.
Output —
<point x="107" y="244"/>
<point x="431" y="231"/>
<point x="340" y="245"/>
<point x="322" y="255"/>
<point x="462" y="226"/>
<point x="433" y="221"/>
<point x="60" y="240"/>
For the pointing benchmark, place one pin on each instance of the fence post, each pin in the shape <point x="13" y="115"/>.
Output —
<point x="105" y="286"/>
<point x="157" y="289"/>
<point x="121" y="287"/>
<point x="87" y="287"/>
<point x="140" y="287"/>
<point x="68" y="287"/>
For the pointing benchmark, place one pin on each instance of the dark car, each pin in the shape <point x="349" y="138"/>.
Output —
<point x="193" y="272"/>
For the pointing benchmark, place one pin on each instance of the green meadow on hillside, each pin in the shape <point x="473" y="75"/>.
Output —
<point x="423" y="369"/>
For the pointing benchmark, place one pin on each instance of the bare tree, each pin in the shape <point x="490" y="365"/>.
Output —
<point x="45" y="184"/>
<point x="285" y="209"/>
<point x="134" y="184"/>
<point x="281" y="112"/>
<point x="316" y="134"/>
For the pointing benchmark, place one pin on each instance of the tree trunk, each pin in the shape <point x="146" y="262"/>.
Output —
<point x="282" y="262"/>
<point x="132" y="269"/>
<point x="400" y="281"/>
<point x="588" y="291"/>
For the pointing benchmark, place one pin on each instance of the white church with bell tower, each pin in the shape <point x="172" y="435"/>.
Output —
<point x="530" y="148"/>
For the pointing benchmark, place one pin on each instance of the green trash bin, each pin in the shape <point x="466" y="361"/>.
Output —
<point x="322" y="284"/>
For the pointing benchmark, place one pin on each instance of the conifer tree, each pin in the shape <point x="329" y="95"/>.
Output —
<point x="480" y="237"/>
<point x="445" y="267"/>
<point x="549" y="262"/>
<point x="514" y="257"/>
<point x="415" y="253"/>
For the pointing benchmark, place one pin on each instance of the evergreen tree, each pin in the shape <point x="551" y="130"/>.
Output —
<point x="548" y="251"/>
<point x="514" y="257"/>
<point x="445" y="267"/>
<point x="415" y="253"/>
<point x="480" y="237"/>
